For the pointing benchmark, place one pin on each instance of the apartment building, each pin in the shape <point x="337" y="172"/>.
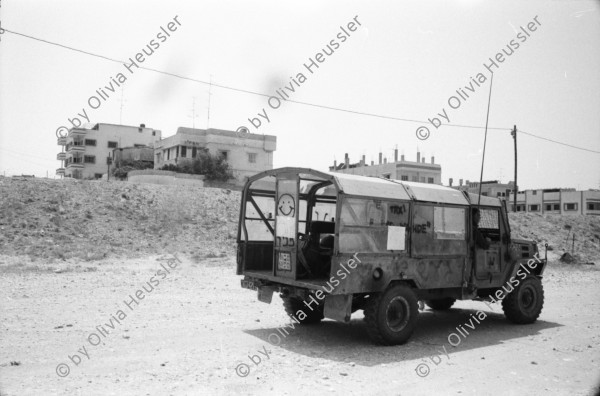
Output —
<point x="85" y="152"/>
<point x="564" y="201"/>
<point x="400" y="169"/>
<point x="246" y="153"/>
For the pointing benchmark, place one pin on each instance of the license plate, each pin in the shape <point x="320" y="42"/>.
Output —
<point x="246" y="284"/>
<point x="284" y="262"/>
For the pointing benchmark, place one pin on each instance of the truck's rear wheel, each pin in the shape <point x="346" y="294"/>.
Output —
<point x="524" y="304"/>
<point x="294" y="304"/>
<point x="391" y="316"/>
<point x="441" y="304"/>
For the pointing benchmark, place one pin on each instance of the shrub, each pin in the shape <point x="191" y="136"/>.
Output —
<point x="211" y="166"/>
<point x="120" y="171"/>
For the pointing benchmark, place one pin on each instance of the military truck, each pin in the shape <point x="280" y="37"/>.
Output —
<point x="331" y="244"/>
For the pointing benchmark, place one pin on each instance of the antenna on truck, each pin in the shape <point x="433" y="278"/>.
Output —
<point x="487" y="117"/>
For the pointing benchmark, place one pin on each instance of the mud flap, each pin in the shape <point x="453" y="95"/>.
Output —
<point x="338" y="307"/>
<point x="265" y="294"/>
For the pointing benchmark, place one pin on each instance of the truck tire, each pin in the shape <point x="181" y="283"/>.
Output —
<point x="294" y="304"/>
<point x="391" y="316"/>
<point x="524" y="304"/>
<point x="441" y="304"/>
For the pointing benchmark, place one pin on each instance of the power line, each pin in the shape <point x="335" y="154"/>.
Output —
<point x="289" y="100"/>
<point x="245" y="90"/>
<point x="557" y="142"/>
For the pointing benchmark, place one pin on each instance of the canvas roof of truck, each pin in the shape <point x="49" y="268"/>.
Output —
<point x="377" y="187"/>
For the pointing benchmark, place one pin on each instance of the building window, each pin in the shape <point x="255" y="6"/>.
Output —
<point x="168" y="154"/>
<point x="404" y="178"/>
<point x="252" y="158"/>
<point x="556" y="206"/>
<point x="548" y="207"/>
<point x="430" y="180"/>
<point x="534" y="192"/>
<point x="183" y="151"/>
<point x="153" y="133"/>
<point x="223" y="154"/>
<point x="593" y="206"/>
<point x="534" y="208"/>
<point x="98" y="175"/>
<point x="194" y="152"/>
<point x="570" y="206"/>
<point x="89" y="159"/>
<point x="90" y="142"/>
<point x="112" y="144"/>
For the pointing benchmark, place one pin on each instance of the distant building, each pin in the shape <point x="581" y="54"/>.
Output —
<point x="565" y="201"/>
<point x="246" y="153"/>
<point x="85" y="151"/>
<point x="415" y="171"/>
<point x="490" y="188"/>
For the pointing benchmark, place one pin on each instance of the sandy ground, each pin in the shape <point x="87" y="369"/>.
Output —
<point x="193" y="330"/>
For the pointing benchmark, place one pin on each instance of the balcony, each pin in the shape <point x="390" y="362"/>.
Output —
<point x="60" y="171"/>
<point x="61" y="156"/>
<point x="75" y="147"/>
<point x="62" y="141"/>
<point x="74" y="163"/>
<point x="77" y="132"/>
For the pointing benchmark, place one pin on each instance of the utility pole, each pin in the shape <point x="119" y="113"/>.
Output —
<point x="516" y="189"/>
<point x="108" y="162"/>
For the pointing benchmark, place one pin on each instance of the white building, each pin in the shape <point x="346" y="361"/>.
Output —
<point x="85" y="151"/>
<point x="415" y="171"/>
<point x="246" y="153"/>
<point x="563" y="201"/>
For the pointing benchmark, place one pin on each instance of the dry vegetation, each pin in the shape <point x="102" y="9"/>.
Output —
<point x="49" y="220"/>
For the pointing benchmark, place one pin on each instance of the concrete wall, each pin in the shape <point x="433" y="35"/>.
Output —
<point x="152" y="176"/>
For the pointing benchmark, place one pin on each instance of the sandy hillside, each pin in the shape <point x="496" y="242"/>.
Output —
<point x="51" y="220"/>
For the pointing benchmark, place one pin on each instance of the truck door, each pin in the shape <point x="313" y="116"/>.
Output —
<point x="487" y="244"/>
<point x="286" y="226"/>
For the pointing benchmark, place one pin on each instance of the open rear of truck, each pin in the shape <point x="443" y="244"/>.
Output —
<point x="287" y="227"/>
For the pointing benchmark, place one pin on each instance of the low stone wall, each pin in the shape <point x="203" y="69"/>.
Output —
<point x="224" y="185"/>
<point x="154" y="176"/>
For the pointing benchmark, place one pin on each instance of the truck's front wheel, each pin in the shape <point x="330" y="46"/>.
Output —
<point x="524" y="304"/>
<point x="391" y="316"/>
<point x="295" y="304"/>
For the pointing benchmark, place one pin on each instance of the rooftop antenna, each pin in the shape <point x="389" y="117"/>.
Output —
<point x="194" y="115"/>
<point x="209" y="95"/>
<point x="122" y="105"/>
<point x="487" y="117"/>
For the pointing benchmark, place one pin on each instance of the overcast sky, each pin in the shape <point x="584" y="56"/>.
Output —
<point x="405" y="60"/>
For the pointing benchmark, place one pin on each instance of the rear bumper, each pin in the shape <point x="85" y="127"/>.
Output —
<point x="265" y="278"/>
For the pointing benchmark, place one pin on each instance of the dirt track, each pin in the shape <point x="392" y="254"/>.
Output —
<point x="189" y="333"/>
